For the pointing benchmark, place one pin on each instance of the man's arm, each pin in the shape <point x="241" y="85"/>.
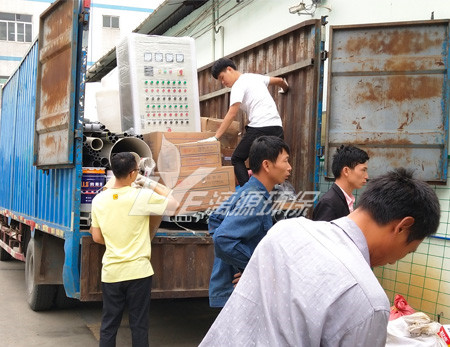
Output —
<point x="145" y="182"/>
<point x="97" y="235"/>
<point x="279" y="82"/>
<point x="162" y="190"/>
<point x="230" y="238"/>
<point x="324" y="211"/>
<point x="229" y="118"/>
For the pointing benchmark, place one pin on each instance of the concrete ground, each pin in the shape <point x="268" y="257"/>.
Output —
<point x="175" y="322"/>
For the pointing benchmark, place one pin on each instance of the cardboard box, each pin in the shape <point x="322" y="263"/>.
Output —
<point x="189" y="156"/>
<point x="226" y="154"/>
<point x="156" y="139"/>
<point x="230" y="138"/>
<point x="201" y="189"/>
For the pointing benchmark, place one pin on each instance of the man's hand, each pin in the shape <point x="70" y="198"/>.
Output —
<point x="209" y="139"/>
<point x="237" y="277"/>
<point x="284" y="88"/>
<point x="145" y="182"/>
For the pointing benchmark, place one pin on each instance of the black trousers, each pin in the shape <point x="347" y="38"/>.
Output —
<point x="135" y="294"/>
<point x="242" y="150"/>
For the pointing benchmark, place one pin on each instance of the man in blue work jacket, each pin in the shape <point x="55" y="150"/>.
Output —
<point x="240" y="223"/>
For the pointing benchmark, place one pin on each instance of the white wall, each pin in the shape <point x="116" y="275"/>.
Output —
<point x="258" y="19"/>
<point x="16" y="50"/>
<point x="101" y="40"/>
<point x="131" y="14"/>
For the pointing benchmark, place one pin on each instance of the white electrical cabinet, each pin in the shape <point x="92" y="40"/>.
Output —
<point x="158" y="84"/>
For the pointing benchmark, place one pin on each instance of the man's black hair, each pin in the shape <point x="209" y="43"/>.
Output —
<point x="220" y="65"/>
<point x="122" y="164"/>
<point x="396" y="195"/>
<point x="347" y="156"/>
<point x="265" y="148"/>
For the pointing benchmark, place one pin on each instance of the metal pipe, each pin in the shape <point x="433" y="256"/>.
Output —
<point x="93" y="127"/>
<point x="95" y="143"/>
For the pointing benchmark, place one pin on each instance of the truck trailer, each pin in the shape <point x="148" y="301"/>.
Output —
<point x="41" y="137"/>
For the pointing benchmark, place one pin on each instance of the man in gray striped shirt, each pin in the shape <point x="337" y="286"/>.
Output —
<point x="311" y="284"/>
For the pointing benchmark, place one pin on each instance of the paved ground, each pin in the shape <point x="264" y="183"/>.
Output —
<point x="180" y="322"/>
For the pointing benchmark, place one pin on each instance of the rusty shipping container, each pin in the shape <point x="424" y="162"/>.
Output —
<point x="298" y="55"/>
<point x="388" y="94"/>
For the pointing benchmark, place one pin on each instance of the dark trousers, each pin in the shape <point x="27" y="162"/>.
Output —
<point x="134" y="294"/>
<point x="242" y="150"/>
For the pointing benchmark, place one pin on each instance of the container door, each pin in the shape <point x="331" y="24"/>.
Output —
<point x="56" y="79"/>
<point x="297" y="54"/>
<point x="388" y="94"/>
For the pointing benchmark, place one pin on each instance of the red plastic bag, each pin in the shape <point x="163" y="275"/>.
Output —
<point x="400" y="308"/>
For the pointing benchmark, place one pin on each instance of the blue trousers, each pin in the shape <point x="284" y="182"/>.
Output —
<point x="135" y="294"/>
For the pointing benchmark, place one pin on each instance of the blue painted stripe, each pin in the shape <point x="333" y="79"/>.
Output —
<point x="123" y="8"/>
<point x="5" y="57"/>
<point x="112" y="7"/>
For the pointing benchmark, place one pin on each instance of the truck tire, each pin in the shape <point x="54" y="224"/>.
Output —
<point x="61" y="299"/>
<point x="40" y="297"/>
<point x="4" y="256"/>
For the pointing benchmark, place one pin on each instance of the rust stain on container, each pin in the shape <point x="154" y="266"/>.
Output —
<point x="368" y="91"/>
<point x="395" y="42"/>
<point x="404" y="64"/>
<point x="358" y="125"/>
<point x="61" y="21"/>
<point x="55" y="83"/>
<point x="403" y="88"/>
<point x="408" y="120"/>
<point x="50" y="142"/>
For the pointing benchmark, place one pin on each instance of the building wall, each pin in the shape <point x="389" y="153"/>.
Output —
<point x="101" y="40"/>
<point x="131" y="14"/>
<point x="254" y="20"/>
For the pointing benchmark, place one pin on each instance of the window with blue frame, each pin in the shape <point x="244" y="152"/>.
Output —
<point x="15" y="27"/>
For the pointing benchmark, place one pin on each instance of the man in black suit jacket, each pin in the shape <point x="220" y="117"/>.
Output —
<point x="350" y="171"/>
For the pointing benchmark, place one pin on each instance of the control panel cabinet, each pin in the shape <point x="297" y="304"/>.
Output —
<point x="158" y="84"/>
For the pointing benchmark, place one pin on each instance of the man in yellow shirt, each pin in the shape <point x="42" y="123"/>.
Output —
<point x="120" y="221"/>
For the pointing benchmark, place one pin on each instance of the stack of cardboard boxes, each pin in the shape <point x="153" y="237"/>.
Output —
<point x="228" y="141"/>
<point x="192" y="169"/>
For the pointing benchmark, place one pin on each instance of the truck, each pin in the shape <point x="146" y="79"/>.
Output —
<point x="41" y="143"/>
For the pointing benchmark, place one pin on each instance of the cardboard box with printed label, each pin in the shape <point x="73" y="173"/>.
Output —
<point x="201" y="189"/>
<point x="157" y="139"/>
<point x="230" y="138"/>
<point x="189" y="156"/>
<point x="182" y="151"/>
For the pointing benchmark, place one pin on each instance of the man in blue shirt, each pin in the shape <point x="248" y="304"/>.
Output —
<point x="243" y="220"/>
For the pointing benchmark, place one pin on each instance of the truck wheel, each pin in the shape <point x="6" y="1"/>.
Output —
<point x="61" y="299"/>
<point x="4" y="256"/>
<point x="39" y="296"/>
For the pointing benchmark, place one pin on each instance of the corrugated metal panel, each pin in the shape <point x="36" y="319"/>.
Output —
<point x="294" y="54"/>
<point x="55" y="99"/>
<point x="44" y="197"/>
<point x="8" y="123"/>
<point x="388" y="94"/>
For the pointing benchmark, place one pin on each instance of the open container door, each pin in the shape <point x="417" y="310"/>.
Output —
<point x="388" y="94"/>
<point x="56" y="77"/>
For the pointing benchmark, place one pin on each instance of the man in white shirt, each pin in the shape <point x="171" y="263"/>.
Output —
<point x="250" y="94"/>
<point x="350" y="172"/>
<point x="310" y="283"/>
